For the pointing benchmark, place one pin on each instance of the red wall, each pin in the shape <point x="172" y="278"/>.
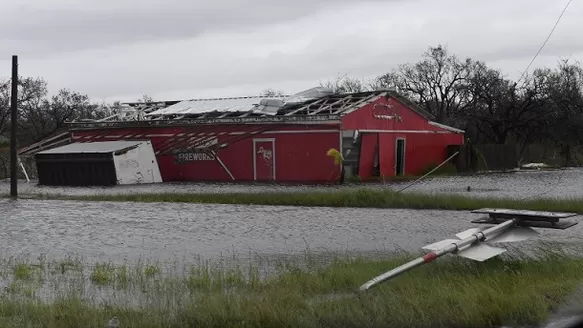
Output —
<point x="299" y="156"/>
<point x="364" y="118"/>
<point x="425" y="144"/>
<point x="367" y="154"/>
<point x="421" y="150"/>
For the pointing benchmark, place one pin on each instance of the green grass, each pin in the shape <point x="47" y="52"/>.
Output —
<point x="102" y="274"/>
<point x="449" y="292"/>
<point x="445" y="170"/>
<point x="151" y="270"/>
<point x="364" y="197"/>
<point x="23" y="271"/>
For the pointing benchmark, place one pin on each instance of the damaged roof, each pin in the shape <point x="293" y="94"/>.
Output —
<point x="318" y="104"/>
<point x="220" y="105"/>
<point x="299" y="104"/>
<point x="331" y="103"/>
<point x="92" y="147"/>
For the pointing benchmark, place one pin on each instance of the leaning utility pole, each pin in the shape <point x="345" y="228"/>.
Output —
<point x="13" y="119"/>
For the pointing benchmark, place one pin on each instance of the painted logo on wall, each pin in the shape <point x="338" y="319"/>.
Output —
<point x="182" y="158"/>
<point x="198" y="153"/>
<point x="266" y="153"/>
<point x="385" y="112"/>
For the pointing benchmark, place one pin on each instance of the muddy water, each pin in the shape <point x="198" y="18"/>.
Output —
<point x="100" y="231"/>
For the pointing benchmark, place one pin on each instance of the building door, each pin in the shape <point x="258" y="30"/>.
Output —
<point x="400" y="156"/>
<point x="264" y="159"/>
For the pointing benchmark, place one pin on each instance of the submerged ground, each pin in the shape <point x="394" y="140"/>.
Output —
<point x="448" y="293"/>
<point x="88" y="261"/>
<point x="521" y="185"/>
<point x="103" y="231"/>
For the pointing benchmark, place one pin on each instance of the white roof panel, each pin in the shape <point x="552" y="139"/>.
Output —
<point x="201" y="106"/>
<point x="92" y="147"/>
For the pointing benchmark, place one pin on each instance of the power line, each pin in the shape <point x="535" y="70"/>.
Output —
<point x="524" y="73"/>
<point x="546" y="40"/>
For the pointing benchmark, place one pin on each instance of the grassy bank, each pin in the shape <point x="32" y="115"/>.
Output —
<point x="364" y="197"/>
<point x="447" y="293"/>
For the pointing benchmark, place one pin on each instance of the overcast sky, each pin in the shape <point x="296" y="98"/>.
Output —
<point x="179" y="49"/>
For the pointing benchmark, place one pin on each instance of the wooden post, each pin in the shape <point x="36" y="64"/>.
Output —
<point x="13" y="119"/>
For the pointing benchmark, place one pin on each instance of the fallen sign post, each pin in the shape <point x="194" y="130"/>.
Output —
<point x="510" y="226"/>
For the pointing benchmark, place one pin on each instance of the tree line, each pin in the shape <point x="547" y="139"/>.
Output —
<point x="542" y="107"/>
<point x="41" y="116"/>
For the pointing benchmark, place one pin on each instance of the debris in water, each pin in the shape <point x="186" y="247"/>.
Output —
<point x="534" y="166"/>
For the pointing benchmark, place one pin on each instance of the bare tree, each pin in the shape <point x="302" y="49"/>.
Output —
<point x="437" y="82"/>
<point x="45" y="116"/>
<point x="39" y="115"/>
<point x="30" y="91"/>
<point x="271" y="93"/>
<point x="146" y="99"/>
<point x="345" y="84"/>
<point x="499" y="108"/>
<point x="562" y="88"/>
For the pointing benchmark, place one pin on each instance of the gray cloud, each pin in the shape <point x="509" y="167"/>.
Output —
<point x="74" y="27"/>
<point x="176" y="49"/>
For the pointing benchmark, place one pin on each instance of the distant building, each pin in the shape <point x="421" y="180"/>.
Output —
<point x="280" y="139"/>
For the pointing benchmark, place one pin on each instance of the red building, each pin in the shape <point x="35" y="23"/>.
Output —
<point x="284" y="139"/>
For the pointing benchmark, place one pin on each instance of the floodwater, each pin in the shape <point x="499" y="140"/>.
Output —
<point x="116" y="231"/>
<point x="528" y="184"/>
<point x="567" y="183"/>
<point x="129" y="232"/>
<point x="104" y="230"/>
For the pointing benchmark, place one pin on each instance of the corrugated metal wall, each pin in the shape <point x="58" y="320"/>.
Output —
<point x="76" y="169"/>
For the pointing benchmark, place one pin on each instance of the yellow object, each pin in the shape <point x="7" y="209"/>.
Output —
<point x="338" y="158"/>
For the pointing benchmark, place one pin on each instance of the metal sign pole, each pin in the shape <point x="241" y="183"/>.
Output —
<point x="510" y="226"/>
<point x="456" y="246"/>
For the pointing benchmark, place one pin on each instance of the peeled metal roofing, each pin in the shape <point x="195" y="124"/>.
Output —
<point x="92" y="147"/>
<point x="201" y="106"/>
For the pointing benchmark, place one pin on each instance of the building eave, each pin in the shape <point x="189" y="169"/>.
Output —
<point x="278" y="119"/>
<point x="446" y="127"/>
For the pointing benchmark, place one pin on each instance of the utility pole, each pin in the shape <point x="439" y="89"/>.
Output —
<point x="13" y="119"/>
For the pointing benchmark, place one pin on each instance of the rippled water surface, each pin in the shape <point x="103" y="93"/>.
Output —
<point x="566" y="183"/>
<point x="131" y="230"/>
<point x="164" y="231"/>
<point x="120" y="232"/>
